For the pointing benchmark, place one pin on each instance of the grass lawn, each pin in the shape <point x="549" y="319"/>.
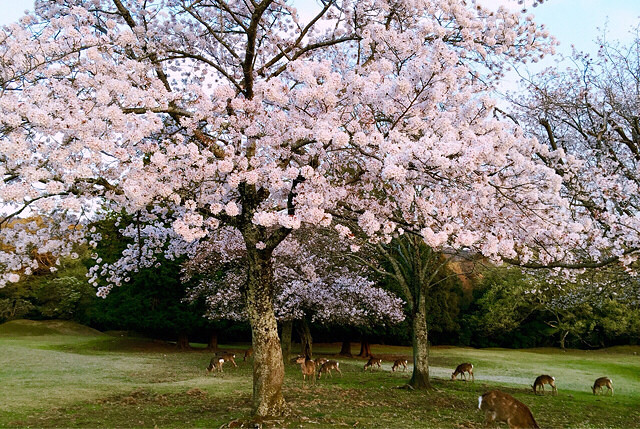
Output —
<point x="57" y="374"/>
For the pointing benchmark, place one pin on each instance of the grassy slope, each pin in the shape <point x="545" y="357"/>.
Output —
<point x="66" y="376"/>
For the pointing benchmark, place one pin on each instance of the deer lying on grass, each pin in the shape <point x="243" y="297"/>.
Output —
<point x="600" y="383"/>
<point x="215" y="363"/>
<point x="542" y="380"/>
<point x="228" y="357"/>
<point x="308" y="367"/>
<point x="398" y="363"/>
<point x="505" y="408"/>
<point x="461" y="369"/>
<point x="327" y="366"/>
<point x="247" y="354"/>
<point x="372" y="361"/>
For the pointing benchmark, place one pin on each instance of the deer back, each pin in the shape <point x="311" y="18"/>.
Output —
<point x="503" y="407"/>
<point x="463" y="367"/>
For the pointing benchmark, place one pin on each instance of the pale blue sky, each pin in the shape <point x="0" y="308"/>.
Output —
<point x="572" y="22"/>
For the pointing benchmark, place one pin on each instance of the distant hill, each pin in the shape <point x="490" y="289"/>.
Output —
<point x="22" y="327"/>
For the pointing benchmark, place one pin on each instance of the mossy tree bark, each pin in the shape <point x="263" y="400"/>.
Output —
<point x="268" y="367"/>
<point x="420" y="343"/>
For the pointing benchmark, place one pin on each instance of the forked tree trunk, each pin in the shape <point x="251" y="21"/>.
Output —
<point x="563" y="341"/>
<point x="420" y="376"/>
<point x="365" y="348"/>
<point x="285" y="340"/>
<point x="213" y="341"/>
<point x="306" y="342"/>
<point x="268" y="368"/>
<point x="183" y="341"/>
<point x="345" y="350"/>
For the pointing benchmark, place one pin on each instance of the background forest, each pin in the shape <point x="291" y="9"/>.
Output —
<point x="474" y="304"/>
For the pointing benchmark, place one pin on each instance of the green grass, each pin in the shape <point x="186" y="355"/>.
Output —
<point x="57" y="374"/>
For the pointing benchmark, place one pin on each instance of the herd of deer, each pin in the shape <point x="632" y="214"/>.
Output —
<point x="497" y="405"/>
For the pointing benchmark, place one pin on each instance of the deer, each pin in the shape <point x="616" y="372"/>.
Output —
<point x="327" y="367"/>
<point x="247" y="354"/>
<point x="541" y="381"/>
<point x="372" y="361"/>
<point x="228" y="357"/>
<point x="320" y="361"/>
<point x="308" y="367"/>
<point x="600" y="383"/>
<point x="503" y="407"/>
<point x="398" y="363"/>
<point x="215" y="363"/>
<point x="461" y="369"/>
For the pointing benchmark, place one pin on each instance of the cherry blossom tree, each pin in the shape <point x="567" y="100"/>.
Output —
<point x="311" y="282"/>
<point x="194" y="115"/>
<point x="587" y="115"/>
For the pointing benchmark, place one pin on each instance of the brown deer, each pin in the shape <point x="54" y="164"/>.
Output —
<point x="308" y="367"/>
<point x="327" y="367"/>
<point x="541" y="381"/>
<point x="461" y="369"/>
<point x="247" y="354"/>
<point x="372" y="361"/>
<point x="215" y="363"/>
<point x="320" y="361"/>
<point x="505" y="408"/>
<point x="398" y="363"/>
<point x="228" y="357"/>
<point x="600" y="383"/>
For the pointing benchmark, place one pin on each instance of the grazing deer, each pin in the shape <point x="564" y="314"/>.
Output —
<point x="327" y="366"/>
<point x="228" y="357"/>
<point x="398" y="363"/>
<point x="308" y="367"/>
<point x="215" y="363"/>
<point x="372" y="361"/>
<point x="505" y="408"/>
<point x="541" y="381"/>
<point x="461" y="369"/>
<point x="247" y="354"/>
<point x="600" y="383"/>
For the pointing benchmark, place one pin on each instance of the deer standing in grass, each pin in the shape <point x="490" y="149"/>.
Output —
<point x="502" y="407"/>
<point x="372" y="361"/>
<point x="327" y="367"/>
<point x="398" y="363"/>
<point x="228" y="357"/>
<point x="320" y="361"/>
<point x="461" y="369"/>
<point x="247" y="354"/>
<point x="215" y="363"/>
<point x="541" y="380"/>
<point x="602" y="382"/>
<point x="308" y="367"/>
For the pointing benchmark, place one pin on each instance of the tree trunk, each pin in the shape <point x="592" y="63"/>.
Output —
<point x="562" y="340"/>
<point x="213" y="341"/>
<point x="183" y="341"/>
<point x="285" y="340"/>
<point x="420" y="376"/>
<point x="345" y="350"/>
<point x="268" y="368"/>
<point x="365" y="348"/>
<point x="305" y="338"/>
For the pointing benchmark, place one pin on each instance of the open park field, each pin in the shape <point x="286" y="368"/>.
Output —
<point x="58" y="374"/>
